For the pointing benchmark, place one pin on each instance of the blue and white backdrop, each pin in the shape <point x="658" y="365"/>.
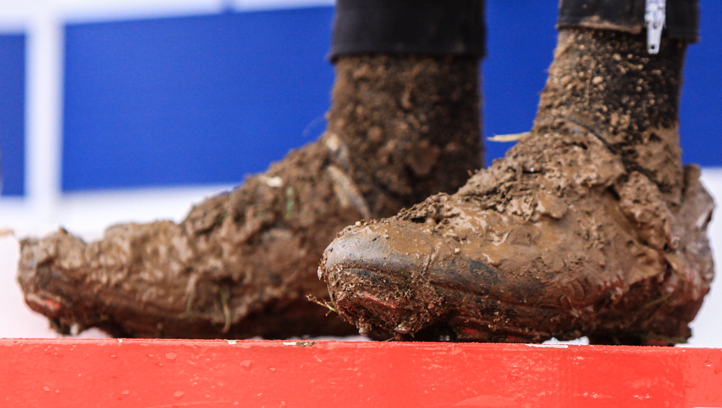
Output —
<point x="130" y="110"/>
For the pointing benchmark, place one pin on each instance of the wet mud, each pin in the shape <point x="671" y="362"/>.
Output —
<point x="242" y="264"/>
<point x="589" y="226"/>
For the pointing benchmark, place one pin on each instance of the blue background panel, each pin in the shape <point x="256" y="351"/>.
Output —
<point x="12" y="114"/>
<point x="200" y="100"/>
<point x="192" y="100"/>
<point x="701" y="110"/>
<point x="521" y="40"/>
<point x="520" y="43"/>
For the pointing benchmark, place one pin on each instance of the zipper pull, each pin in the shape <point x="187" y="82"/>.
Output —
<point x="655" y="16"/>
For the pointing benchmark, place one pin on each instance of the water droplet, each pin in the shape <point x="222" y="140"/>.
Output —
<point x="46" y="389"/>
<point x="708" y="361"/>
<point x="178" y="394"/>
<point x="231" y="342"/>
<point x="160" y="364"/>
<point x="151" y="355"/>
<point x="170" y="356"/>
<point x="126" y="392"/>
<point x="113" y="356"/>
<point x="57" y="391"/>
<point x="247" y="364"/>
<point x="272" y="369"/>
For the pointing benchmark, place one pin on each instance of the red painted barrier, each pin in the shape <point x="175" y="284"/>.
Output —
<point x="182" y="373"/>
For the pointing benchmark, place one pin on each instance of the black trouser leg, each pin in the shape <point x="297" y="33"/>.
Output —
<point x="448" y="27"/>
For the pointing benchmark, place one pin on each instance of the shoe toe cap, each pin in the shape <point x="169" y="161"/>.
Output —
<point x="375" y="276"/>
<point x="379" y="247"/>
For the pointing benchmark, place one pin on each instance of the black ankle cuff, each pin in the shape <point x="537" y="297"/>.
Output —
<point x="448" y="27"/>
<point x="628" y="16"/>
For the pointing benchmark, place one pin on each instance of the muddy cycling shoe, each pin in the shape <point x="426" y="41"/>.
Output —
<point x="242" y="264"/>
<point x="589" y="225"/>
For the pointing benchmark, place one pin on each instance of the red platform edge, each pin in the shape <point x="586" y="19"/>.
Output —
<point x="220" y="373"/>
